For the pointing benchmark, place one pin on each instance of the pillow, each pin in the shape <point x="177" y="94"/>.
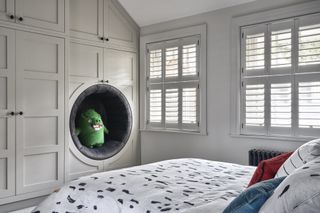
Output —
<point x="250" y="200"/>
<point x="267" y="169"/>
<point x="305" y="153"/>
<point x="298" y="193"/>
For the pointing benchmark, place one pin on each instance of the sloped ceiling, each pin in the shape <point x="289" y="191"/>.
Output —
<point x="147" y="12"/>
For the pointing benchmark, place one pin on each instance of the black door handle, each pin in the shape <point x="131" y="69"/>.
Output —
<point x="11" y="16"/>
<point x="20" y="19"/>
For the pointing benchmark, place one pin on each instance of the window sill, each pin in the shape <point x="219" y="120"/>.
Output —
<point x="175" y="131"/>
<point x="276" y="138"/>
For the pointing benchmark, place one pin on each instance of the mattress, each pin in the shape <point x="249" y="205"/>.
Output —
<point x="179" y="185"/>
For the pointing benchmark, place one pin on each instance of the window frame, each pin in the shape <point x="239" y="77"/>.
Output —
<point x="238" y="23"/>
<point x="171" y="37"/>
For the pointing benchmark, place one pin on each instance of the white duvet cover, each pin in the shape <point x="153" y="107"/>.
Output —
<point x="181" y="185"/>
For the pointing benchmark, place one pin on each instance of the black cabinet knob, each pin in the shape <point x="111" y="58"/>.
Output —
<point x="11" y="113"/>
<point x="107" y="39"/>
<point x="11" y="17"/>
<point x="20" y="19"/>
<point x="101" y="38"/>
<point x="107" y="81"/>
<point x="20" y="113"/>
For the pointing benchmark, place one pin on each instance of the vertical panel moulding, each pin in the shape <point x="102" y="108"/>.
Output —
<point x="267" y="81"/>
<point x="180" y="60"/>
<point x="295" y="70"/>
<point x="163" y="121"/>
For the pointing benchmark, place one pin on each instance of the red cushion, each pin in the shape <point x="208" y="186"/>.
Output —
<point x="267" y="169"/>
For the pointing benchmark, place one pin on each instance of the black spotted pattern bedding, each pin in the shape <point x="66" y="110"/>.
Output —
<point x="181" y="185"/>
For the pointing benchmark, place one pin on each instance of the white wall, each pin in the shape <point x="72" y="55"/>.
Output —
<point x="218" y="145"/>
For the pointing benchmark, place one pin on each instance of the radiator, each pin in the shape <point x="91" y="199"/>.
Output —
<point x="257" y="155"/>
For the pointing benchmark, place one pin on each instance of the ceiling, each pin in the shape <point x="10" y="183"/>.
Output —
<point x="147" y="12"/>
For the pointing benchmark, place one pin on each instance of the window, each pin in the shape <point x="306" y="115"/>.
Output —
<point x="173" y="84"/>
<point x="280" y="77"/>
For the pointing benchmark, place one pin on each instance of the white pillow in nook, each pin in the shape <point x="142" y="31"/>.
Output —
<point x="298" y="193"/>
<point x="304" y="154"/>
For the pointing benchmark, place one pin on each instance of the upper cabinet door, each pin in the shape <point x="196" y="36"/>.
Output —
<point x="47" y="14"/>
<point x="7" y="106"/>
<point x="86" y="19"/>
<point x="120" y="67"/>
<point x="117" y="28"/>
<point x="7" y="10"/>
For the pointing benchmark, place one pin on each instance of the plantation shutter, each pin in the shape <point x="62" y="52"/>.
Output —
<point x="173" y="84"/>
<point x="280" y="77"/>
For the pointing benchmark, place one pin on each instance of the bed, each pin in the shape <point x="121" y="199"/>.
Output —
<point x="180" y="185"/>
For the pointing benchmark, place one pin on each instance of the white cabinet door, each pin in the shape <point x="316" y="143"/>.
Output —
<point x="120" y="67"/>
<point x="7" y="10"/>
<point x="86" y="62"/>
<point x="117" y="29"/>
<point x="48" y="14"/>
<point x="7" y="106"/>
<point x="40" y="98"/>
<point x="86" y="19"/>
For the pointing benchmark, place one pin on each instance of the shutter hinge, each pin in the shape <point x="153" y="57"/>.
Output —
<point x="242" y="70"/>
<point x="242" y="84"/>
<point x="242" y="35"/>
<point x="242" y="126"/>
<point x="198" y="42"/>
<point x="147" y="121"/>
<point x="198" y="123"/>
<point x="148" y="51"/>
<point x="148" y="89"/>
<point x="147" y="78"/>
<point x="198" y="86"/>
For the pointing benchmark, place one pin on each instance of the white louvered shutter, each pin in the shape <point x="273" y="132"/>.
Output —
<point x="280" y="77"/>
<point x="190" y="60"/>
<point x="281" y="39"/>
<point x="155" y="64"/>
<point x="280" y="106"/>
<point x="173" y="84"/>
<point x="309" y="104"/>
<point x="254" y="50"/>
<point x="254" y="106"/>
<point x="155" y="107"/>
<point x="309" y="44"/>
<point x="172" y="62"/>
<point x="172" y="107"/>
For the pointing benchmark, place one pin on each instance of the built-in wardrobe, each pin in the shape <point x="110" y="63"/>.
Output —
<point x="48" y="49"/>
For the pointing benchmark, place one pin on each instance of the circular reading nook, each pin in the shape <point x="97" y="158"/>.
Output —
<point x="100" y="121"/>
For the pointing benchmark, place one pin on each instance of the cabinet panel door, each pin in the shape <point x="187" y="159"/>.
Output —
<point x="6" y="9"/>
<point x="120" y="67"/>
<point x="86" y="19"/>
<point x="40" y="96"/>
<point x="48" y="14"/>
<point x="86" y="61"/>
<point x="117" y="28"/>
<point x="7" y="105"/>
